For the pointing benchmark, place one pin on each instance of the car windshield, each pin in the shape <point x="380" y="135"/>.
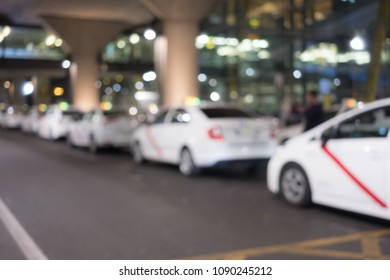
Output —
<point x="214" y="113"/>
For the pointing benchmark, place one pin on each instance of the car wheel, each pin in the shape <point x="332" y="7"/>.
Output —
<point x="69" y="140"/>
<point x="186" y="165"/>
<point x="252" y="169"/>
<point x="50" y="137"/>
<point x="93" y="148"/>
<point x="136" y="153"/>
<point x="294" y="185"/>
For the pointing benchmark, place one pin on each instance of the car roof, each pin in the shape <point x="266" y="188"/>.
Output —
<point x="363" y="108"/>
<point x="202" y="105"/>
<point x="344" y="116"/>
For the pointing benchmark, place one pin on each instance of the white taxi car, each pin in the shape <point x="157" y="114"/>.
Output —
<point x="31" y="120"/>
<point x="196" y="137"/>
<point x="99" y="128"/>
<point x="10" y="118"/>
<point x="54" y="124"/>
<point x="342" y="163"/>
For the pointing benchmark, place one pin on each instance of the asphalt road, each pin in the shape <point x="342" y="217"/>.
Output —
<point x="76" y="205"/>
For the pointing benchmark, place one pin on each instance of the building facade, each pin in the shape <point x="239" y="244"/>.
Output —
<point x="258" y="54"/>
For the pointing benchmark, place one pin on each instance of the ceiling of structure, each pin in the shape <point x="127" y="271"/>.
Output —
<point x="29" y="12"/>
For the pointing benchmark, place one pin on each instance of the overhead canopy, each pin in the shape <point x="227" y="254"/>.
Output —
<point x="29" y="12"/>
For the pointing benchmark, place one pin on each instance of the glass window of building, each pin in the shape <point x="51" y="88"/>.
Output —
<point x="266" y="54"/>
<point x="29" y="43"/>
<point x="127" y="77"/>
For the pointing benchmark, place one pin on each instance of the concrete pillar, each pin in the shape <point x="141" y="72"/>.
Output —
<point x="376" y="50"/>
<point x="83" y="75"/>
<point x="181" y="20"/>
<point x="85" y="39"/>
<point x="182" y="63"/>
<point x="160" y="62"/>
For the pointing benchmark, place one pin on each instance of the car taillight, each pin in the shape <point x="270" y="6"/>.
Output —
<point x="107" y="121"/>
<point x="274" y="131"/>
<point x="215" y="133"/>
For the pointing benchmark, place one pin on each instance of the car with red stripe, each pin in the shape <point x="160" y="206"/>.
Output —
<point x="203" y="136"/>
<point x="342" y="163"/>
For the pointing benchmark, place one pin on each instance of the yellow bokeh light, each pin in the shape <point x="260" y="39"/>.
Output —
<point x="192" y="100"/>
<point x="105" y="106"/>
<point x="210" y="44"/>
<point x="119" y="78"/>
<point x="254" y="22"/>
<point x="58" y="91"/>
<point x="42" y="107"/>
<point x="106" y="81"/>
<point x="351" y="103"/>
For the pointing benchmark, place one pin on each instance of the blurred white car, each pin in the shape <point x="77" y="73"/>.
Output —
<point x="98" y="129"/>
<point x="196" y="137"/>
<point x="54" y="124"/>
<point x="31" y="120"/>
<point x="10" y="118"/>
<point x="342" y="163"/>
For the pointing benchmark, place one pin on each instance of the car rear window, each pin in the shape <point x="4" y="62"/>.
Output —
<point x="71" y="113"/>
<point x="214" y="113"/>
<point x="115" y="114"/>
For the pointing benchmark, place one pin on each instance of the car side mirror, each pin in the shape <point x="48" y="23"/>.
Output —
<point x="148" y="121"/>
<point x="328" y="134"/>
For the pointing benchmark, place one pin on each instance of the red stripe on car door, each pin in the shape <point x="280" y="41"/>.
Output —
<point x="153" y="142"/>
<point x="353" y="177"/>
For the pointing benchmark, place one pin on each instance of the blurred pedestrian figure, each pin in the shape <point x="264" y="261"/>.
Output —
<point x="313" y="112"/>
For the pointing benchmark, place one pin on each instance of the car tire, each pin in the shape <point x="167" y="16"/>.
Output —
<point x="50" y="137"/>
<point x="136" y="153"/>
<point x="186" y="164"/>
<point x="69" y="140"/>
<point x="294" y="185"/>
<point x="92" y="147"/>
<point x="252" y="169"/>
